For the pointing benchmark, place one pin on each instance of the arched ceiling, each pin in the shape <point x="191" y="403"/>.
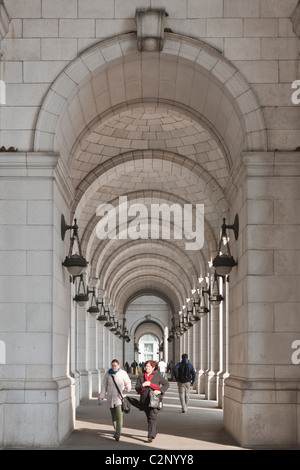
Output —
<point x="156" y="128"/>
<point x="150" y="155"/>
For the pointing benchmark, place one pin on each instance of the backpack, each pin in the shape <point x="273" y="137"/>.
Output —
<point x="184" y="374"/>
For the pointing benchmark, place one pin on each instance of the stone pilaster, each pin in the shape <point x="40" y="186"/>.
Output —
<point x="261" y="393"/>
<point x="213" y="318"/>
<point x="201" y="379"/>
<point x="37" y="391"/>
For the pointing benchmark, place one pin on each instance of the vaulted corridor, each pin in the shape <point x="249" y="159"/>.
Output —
<point x="149" y="202"/>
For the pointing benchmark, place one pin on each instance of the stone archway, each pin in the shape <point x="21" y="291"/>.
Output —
<point x="148" y="314"/>
<point x="113" y="76"/>
<point x="109" y="84"/>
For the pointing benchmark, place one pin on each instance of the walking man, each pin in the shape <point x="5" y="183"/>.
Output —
<point x="185" y="375"/>
<point x="162" y="367"/>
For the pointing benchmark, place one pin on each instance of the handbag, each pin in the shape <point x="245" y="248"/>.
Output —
<point x="125" y="402"/>
<point x="154" y="400"/>
<point x="125" y="405"/>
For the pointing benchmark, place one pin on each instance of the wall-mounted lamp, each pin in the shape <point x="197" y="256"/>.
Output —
<point x="186" y="320"/>
<point x="171" y="336"/>
<point x="75" y="263"/>
<point x="203" y="310"/>
<point x="114" y="327"/>
<point x="224" y="262"/>
<point x="214" y="294"/>
<point x="193" y="318"/>
<point x="109" y="324"/>
<point x="118" y="333"/>
<point x="82" y="295"/>
<point x="93" y="308"/>
<point x="126" y="337"/>
<point x="102" y="318"/>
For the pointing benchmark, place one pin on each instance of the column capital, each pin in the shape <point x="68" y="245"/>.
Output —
<point x="263" y="164"/>
<point x="37" y="165"/>
<point x="27" y="161"/>
<point x="271" y="163"/>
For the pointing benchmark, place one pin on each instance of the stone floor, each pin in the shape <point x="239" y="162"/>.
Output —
<point x="200" y="428"/>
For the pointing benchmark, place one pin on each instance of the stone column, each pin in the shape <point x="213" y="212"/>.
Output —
<point x="222" y="344"/>
<point x="82" y="351"/>
<point x="261" y="404"/>
<point x="225" y="336"/>
<point x="166" y="334"/>
<point x="37" y="391"/>
<point x="203" y="355"/>
<point x="213" y="353"/>
<point x="93" y="360"/>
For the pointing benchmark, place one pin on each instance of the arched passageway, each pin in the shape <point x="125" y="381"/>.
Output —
<point x="132" y="139"/>
<point x="138" y="132"/>
<point x="149" y="150"/>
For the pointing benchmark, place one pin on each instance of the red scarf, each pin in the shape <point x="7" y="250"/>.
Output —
<point x="149" y="378"/>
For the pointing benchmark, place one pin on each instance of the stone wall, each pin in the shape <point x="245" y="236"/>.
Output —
<point x="250" y="58"/>
<point x="45" y="35"/>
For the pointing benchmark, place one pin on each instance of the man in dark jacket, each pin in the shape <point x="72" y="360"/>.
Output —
<point x="185" y="376"/>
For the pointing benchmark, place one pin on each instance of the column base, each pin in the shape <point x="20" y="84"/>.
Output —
<point x="200" y="381"/>
<point x="211" y="385"/>
<point x="84" y="384"/>
<point x="37" y="413"/>
<point x="221" y="376"/>
<point x="262" y="413"/>
<point x="96" y="382"/>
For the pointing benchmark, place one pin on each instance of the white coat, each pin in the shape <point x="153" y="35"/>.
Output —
<point x="108" y="387"/>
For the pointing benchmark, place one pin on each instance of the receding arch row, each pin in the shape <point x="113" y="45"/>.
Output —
<point x="154" y="292"/>
<point x="148" y="197"/>
<point x="79" y="97"/>
<point x="108" y="252"/>
<point x="138" y="252"/>
<point x="153" y="326"/>
<point x="98" y="249"/>
<point x="154" y="265"/>
<point x="170" y="162"/>
<point x="148" y="284"/>
<point x="148" y="273"/>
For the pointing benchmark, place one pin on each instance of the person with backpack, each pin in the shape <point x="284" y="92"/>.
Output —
<point x="185" y="375"/>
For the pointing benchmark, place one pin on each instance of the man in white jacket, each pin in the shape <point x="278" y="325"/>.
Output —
<point x="113" y="376"/>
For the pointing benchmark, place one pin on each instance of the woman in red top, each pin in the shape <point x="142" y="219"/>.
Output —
<point x="151" y="379"/>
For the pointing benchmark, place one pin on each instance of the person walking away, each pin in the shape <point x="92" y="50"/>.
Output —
<point x="170" y="369"/>
<point x="134" y="367"/>
<point x="162" y="367"/>
<point x="150" y="380"/>
<point x="115" y="375"/>
<point x="185" y="375"/>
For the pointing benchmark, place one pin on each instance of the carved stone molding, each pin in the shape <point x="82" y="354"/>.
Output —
<point x="150" y="29"/>
<point x="295" y="18"/>
<point x="4" y="20"/>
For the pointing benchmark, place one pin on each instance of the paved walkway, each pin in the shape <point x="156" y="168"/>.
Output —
<point x="200" y="428"/>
